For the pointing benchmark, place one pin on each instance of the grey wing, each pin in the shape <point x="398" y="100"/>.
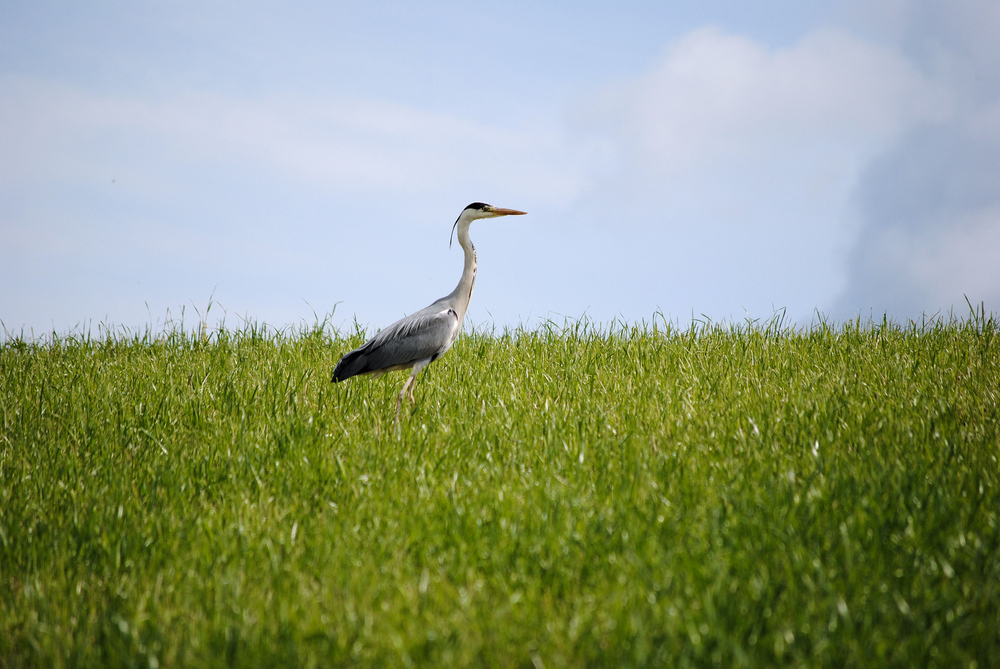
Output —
<point x="425" y="335"/>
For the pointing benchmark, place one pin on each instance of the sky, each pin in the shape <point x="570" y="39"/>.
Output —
<point x="286" y="163"/>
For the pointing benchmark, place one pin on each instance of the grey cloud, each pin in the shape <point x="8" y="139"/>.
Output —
<point x="956" y="40"/>
<point x="929" y="206"/>
<point x="930" y="178"/>
<point x="931" y="222"/>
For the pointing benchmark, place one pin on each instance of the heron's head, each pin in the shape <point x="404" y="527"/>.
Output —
<point x="478" y="210"/>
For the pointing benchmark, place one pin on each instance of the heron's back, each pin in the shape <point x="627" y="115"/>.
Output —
<point x="425" y="335"/>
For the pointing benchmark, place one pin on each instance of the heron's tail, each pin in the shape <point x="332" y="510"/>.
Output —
<point x="351" y="364"/>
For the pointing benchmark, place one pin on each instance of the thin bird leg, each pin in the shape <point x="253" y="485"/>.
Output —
<point x="410" y="384"/>
<point x="412" y="388"/>
<point x="402" y="393"/>
<point x="399" y="399"/>
<point x="417" y="366"/>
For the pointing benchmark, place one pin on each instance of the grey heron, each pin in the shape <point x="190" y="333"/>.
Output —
<point x="424" y="336"/>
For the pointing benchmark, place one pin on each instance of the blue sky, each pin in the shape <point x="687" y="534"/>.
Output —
<point x="711" y="159"/>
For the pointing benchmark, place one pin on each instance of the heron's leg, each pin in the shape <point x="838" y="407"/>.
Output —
<point x="412" y="387"/>
<point x="402" y="393"/>
<point x="411" y="382"/>
<point x="419" y="365"/>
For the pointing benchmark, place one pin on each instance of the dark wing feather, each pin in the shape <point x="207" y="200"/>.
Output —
<point x="425" y="335"/>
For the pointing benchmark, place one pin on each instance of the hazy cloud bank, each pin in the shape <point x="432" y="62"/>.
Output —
<point x="747" y="157"/>
<point x="852" y="170"/>
<point x="929" y="206"/>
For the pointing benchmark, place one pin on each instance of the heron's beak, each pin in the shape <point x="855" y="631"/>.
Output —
<point x="497" y="211"/>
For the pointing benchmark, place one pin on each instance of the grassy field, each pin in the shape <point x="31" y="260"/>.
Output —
<point x="718" y="496"/>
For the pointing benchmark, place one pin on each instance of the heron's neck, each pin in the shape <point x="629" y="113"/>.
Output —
<point x="463" y="291"/>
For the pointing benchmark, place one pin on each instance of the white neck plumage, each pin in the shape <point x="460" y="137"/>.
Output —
<point x="463" y="291"/>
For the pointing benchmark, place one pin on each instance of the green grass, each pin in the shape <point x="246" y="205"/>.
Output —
<point x="721" y="496"/>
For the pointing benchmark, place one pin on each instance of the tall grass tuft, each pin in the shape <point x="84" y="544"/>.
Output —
<point x="741" y="495"/>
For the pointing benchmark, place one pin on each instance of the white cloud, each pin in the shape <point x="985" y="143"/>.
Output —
<point x="49" y="130"/>
<point x="164" y="199"/>
<point x="963" y="260"/>
<point x="716" y="95"/>
<point x="906" y="272"/>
